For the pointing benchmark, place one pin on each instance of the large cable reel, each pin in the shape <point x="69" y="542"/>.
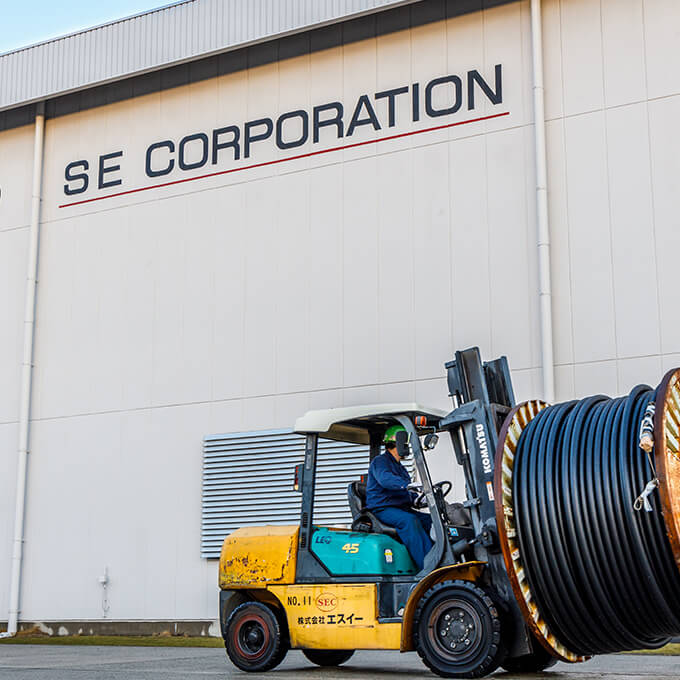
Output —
<point x="591" y="573"/>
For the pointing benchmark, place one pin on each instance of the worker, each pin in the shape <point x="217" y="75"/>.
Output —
<point x="390" y="500"/>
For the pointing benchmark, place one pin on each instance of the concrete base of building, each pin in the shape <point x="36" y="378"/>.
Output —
<point x="107" y="627"/>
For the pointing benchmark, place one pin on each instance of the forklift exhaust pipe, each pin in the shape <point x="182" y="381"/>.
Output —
<point x="589" y="524"/>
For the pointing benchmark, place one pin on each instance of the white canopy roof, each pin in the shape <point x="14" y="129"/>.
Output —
<point x="341" y="423"/>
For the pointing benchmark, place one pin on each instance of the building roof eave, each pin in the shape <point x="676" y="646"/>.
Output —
<point x="145" y="43"/>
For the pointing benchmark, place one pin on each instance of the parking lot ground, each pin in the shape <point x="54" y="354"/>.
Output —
<point x="52" y="662"/>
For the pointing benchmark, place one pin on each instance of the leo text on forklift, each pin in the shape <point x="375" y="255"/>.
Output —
<point x="441" y="96"/>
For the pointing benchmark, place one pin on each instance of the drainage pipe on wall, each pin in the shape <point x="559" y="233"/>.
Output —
<point x="543" y="225"/>
<point x="27" y="371"/>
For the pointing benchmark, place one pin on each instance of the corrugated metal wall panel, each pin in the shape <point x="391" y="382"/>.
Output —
<point x="248" y="481"/>
<point x="170" y="35"/>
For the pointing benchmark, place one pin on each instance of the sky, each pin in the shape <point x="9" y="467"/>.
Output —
<point x="27" y="22"/>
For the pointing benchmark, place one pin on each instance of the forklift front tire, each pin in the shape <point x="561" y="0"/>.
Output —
<point x="328" y="657"/>
<point x="255" y="638"/>
<point x="457" y="631"/>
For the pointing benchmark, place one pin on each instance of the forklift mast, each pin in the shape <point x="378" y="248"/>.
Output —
<point x="482" y="397"/>
<point x="469" y="378"/>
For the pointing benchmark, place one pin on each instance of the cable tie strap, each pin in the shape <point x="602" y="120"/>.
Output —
<point x="643" y="499"/>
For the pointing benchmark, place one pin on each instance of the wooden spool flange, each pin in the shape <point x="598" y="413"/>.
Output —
<point x="667" y="455"/>
<point x="508" y="437"/>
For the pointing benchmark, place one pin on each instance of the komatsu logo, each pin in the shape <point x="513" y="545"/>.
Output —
<point x="483" y="448"/>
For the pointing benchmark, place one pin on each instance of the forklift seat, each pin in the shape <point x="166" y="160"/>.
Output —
<point x="363" y="519"/>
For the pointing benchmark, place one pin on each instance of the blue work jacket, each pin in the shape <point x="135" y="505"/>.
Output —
<point x="387" y="482"/>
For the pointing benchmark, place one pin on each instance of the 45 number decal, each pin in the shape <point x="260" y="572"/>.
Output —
<point x="350" y="548"/>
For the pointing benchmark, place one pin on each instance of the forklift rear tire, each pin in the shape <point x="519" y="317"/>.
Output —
<point x="328" y="657"/>
<point x="255" y="638"/>
<point x="457" y="631"/>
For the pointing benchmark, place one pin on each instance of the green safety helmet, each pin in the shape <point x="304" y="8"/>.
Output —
<point x="391" y="433"/>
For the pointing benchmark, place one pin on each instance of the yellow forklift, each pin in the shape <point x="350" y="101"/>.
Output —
<point x="330" y="591"/>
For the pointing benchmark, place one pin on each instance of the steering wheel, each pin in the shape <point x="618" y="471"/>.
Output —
<point x="420" y="501"/>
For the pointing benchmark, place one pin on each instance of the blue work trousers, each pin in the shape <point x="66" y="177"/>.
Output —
<point x="413" y="528"/>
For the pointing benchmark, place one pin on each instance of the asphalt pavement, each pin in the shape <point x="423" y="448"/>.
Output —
<point x="53" y="662"/>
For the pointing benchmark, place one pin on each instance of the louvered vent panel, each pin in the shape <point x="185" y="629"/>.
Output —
<point x="248" y="480"/>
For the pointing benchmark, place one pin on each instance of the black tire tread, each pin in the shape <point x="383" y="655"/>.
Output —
<point x="279" y="634"/>
<point x="530" y="663"/>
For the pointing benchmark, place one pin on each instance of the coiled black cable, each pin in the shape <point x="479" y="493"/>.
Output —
<point x="603" y="574"/>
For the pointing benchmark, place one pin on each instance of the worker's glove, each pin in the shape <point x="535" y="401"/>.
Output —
<point x="646" y="443"/>
<point x="414" y="490"/>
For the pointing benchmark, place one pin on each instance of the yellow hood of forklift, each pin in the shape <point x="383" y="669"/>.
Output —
<point x="257" y="556"/>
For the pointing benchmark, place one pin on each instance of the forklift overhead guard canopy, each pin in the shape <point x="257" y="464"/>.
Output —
<point x="355" y="423"/>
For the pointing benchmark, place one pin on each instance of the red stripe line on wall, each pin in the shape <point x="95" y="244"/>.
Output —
<point x="286" y="160"/>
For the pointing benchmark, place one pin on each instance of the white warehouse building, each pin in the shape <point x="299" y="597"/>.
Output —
<point x="240" y="210"/>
